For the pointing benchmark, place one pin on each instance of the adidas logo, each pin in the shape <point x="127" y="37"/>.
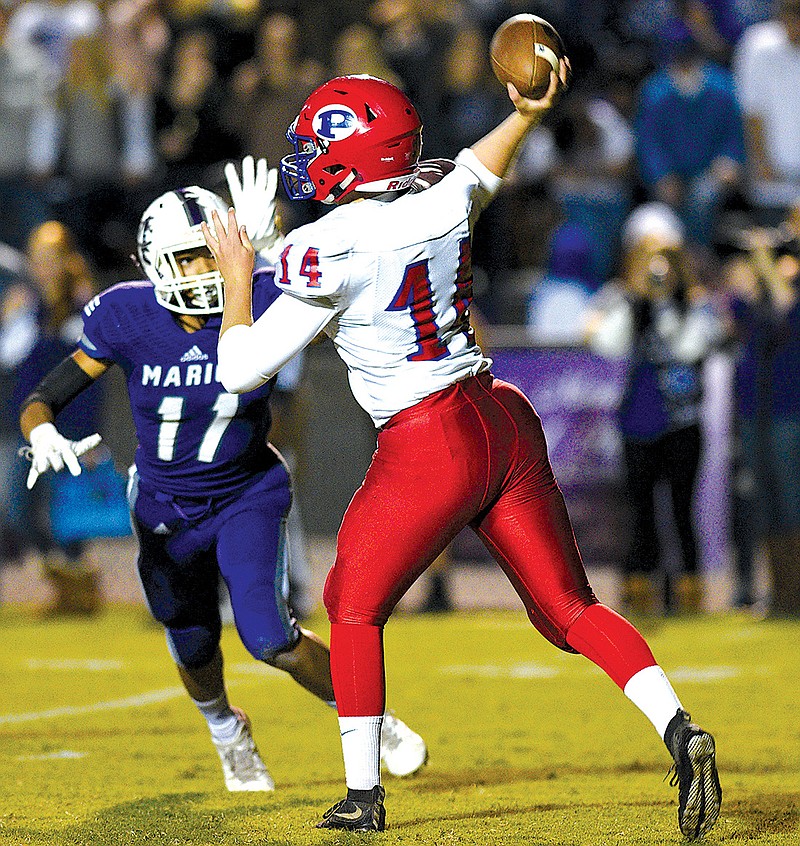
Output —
<point x="194" y="354"/>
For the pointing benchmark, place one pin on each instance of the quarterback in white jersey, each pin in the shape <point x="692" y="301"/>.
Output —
<point x="397" y="276"/>
<point x="388" y="275"/>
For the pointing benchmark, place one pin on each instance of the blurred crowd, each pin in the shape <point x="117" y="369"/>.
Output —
<point x="654" y="215"/>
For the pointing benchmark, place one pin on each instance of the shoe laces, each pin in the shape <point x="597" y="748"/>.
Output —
<point x="242" y="758"/>
<point x="672" y="775"/>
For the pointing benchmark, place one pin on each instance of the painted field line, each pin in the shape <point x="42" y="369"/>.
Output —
<point x="503" y="671"/>
<point x="150" y="698"/>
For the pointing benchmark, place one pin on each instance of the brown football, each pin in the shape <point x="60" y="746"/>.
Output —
<point x="524" y="50"/>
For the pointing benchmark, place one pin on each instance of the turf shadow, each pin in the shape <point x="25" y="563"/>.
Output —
<point x="759" y="815"/>
<point x="179" y="819"/>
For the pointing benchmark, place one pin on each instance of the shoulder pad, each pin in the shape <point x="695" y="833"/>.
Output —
<point x="431" y="172"/>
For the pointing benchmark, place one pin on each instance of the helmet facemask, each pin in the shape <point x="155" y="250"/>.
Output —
<point x="294" y="169"/>
<point x="169" y="233"/>
<point x="197" y="293"/>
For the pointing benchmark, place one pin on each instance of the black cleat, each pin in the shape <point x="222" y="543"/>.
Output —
<point x="357" y="815"/>
<point x="695" y="773"/>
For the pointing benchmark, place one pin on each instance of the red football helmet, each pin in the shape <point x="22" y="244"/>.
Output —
<point x="354" y="133"/>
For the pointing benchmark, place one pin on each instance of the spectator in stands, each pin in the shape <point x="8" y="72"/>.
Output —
<point x="763" y="283"/>
<point x="559" y="300"/>
<point x="473" y="101"/>
<point x="26" y="84"/>
<point x="40" y="325"/>
<point x="52" y="25"/>
<point x="103" y="146"/>
<point x="233" y="22"/>
<point x="139" y="39"/>
<point x="357" y="49"/>
<point x="690" y="142"/>
<point x="191" y="132"/>
<point x="659" y="319"/>
<point x="273" y="83"/>
<point x="17" y="334"/>
<point x="766" y="66"/>
<point x="415" y="37"/>
<point x="717" y="25"/>
<point x="591" y="174"/>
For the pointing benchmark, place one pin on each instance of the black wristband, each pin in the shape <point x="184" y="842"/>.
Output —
<point x="60" y="386"/>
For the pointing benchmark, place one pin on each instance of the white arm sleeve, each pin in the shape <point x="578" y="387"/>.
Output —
<point x="247" y="356"/>
<point x="489" y="182"/>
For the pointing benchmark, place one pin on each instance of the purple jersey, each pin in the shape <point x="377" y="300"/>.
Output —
<point x="195" y="439"/>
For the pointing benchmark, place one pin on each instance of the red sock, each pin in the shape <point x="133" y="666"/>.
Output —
<point x="609" y="640"/>
<point x="357" y="669"/>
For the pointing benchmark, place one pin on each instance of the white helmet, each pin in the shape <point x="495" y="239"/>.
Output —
<point x="171" y="226"/>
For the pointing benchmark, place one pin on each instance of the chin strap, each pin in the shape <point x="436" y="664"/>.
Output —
<point x="341" y="187"/>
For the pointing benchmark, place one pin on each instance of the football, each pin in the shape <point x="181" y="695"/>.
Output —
<point x="524" y="50"/>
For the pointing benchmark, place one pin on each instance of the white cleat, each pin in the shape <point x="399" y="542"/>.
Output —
<point x="403" y="751"/>
<point x="241" y="764"/>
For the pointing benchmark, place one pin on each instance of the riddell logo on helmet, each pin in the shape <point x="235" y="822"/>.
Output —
<point x="335" y="122"/>
<point x="400" y="184"/>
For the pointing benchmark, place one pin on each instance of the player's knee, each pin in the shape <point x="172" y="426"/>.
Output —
<point x="344" y="609"/>
<point x="269" y="647"/>
<point x="341" y="613"/>
<point x="287" y="657"/>
<point x="556" y="623"/>
<point x="194" y="646"/>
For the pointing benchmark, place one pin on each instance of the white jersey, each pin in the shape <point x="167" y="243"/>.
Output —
<point x="398" y="275"/>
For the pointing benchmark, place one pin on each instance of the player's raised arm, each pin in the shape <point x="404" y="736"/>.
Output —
<point x="251" y="353"/>
<point x="497" y="149"/>
<point x="49" y="448"/>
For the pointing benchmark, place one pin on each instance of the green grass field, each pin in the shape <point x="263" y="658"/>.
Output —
<point x="527" y="744"/>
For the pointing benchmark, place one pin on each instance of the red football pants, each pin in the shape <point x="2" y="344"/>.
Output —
<point x="473" y="454"/>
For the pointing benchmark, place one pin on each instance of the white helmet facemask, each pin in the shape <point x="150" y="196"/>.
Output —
<point x="168" y="231"/>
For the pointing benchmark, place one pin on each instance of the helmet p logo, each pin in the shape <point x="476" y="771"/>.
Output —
<point x="335" y="122"/>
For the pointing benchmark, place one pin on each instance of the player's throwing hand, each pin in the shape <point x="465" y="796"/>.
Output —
<point x="558" y="84"/>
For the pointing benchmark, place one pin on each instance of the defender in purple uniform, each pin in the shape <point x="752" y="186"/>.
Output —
<point x="209" y="495"/>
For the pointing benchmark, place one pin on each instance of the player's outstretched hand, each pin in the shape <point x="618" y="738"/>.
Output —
<point x="254" y="200"/>
<point x="232" y="249"/>
<point x="49" y="449"/>
<point x="558" y="84"/>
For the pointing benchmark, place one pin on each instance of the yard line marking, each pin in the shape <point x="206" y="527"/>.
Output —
<point x="496" y="671"/>
<point x="256" y="668"/>
<point x="704" y="674"/>
<point x="92" y="664"/>
<point x="61" y="755"/>
<point x="150" y="698"/>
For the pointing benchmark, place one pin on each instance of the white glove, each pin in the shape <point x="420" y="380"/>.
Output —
<point x="50" y="449"/>
<point x="254" y="203"/>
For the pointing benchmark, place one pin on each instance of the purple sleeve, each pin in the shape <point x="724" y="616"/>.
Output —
<point x="97" y="337"/>
<point x="265" y="292"/>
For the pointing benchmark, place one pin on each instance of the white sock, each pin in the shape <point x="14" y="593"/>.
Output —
<point x="651" y="692"/>
<point x="361" y="749"/>
<point x="221" y="720"/>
